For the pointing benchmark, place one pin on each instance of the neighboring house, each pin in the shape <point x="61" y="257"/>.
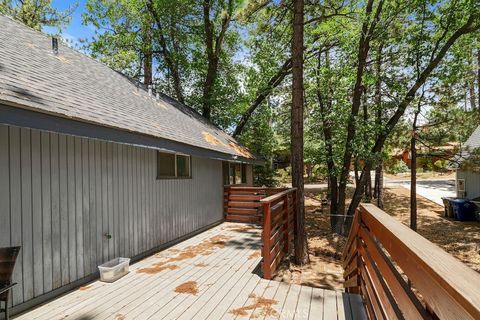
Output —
<point x="425" y="155"/>
<point x="93" y="167"/>
<point x="468" y="170"/>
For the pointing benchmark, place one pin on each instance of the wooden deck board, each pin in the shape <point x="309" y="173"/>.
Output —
<point x="229" y="287"/>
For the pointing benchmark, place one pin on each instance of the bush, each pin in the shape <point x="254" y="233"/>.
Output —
<point x="425" y="163"/>
<point x="441" y="165"/>
<point x="396" y="167"/>
<point x="283" y="175"/>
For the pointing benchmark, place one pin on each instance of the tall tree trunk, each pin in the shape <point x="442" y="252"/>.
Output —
<point x="301" y="250"/>
<point x="368" y="186"/>
<point x="472" y="95"/>
<point x="478" y="76"/>
<point x="413" y="172"/>
<point x="148" y="55"/>
<point x="378" y="121"/>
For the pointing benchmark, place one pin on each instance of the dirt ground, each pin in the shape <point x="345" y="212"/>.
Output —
<point x="461" y="239"/>
<point x="422" y="175"/>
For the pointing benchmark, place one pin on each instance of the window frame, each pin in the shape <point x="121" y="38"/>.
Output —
<point x="176" y="177"/>
<point x="231" y="168"/>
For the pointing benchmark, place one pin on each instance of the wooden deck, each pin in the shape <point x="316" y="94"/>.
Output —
<point x="214" y="275"/>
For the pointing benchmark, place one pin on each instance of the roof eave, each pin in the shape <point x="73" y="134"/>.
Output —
<point x="21" y="117"/>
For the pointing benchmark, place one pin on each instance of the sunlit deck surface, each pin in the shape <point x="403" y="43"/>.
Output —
<point x="214" y="275"/>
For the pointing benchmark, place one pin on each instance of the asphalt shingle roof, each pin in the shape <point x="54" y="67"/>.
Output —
<point x="472" y="143"/>
<point x="75" y="86"/>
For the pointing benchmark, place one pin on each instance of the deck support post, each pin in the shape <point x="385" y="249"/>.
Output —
<point x="267" y="220"/>
<point x="285" y="225"/>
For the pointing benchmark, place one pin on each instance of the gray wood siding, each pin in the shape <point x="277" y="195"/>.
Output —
<point x="472" y="183"/>
<point x="60" y="195"/>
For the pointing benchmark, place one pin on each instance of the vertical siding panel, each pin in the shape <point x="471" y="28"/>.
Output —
<point x="121" y="200"/>
<point x="126" y="197"/>
<point x="27" y="240"/>
<point x="141" y="196"/>
<point x="79" y="207"/>
<point x="37" y="238"/>
<point x="72" y="247"/>
<point x="104" y="194"/>
<point x="116" y="237"/>
<point x="16" y="210"/>
<point x="46" y="212"/>
<point x="55" y="201"/>
<point x="4" y="187"/>
<point x="111" y="226"/>
<point x="86" y="208"/>
<point x="131" y="197"/>
<point x="62" y="145"/>
<point x="92" y="205"/>
<point x="150" y="223"/>
<point x="136" y="212"/>
<point x="98" y="202"/>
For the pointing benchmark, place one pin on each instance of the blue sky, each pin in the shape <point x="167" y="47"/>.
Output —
<point x="75" y="30"/>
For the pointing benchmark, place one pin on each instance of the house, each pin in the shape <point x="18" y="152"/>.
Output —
<point x="93" y="167"/>
<point x="426" y="156"/>
<point x="467" y="168"/>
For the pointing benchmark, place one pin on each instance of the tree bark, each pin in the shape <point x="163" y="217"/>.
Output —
<point x="148" y="55"/>
<point x="301" y="250"/>
<point x="472" y="95"/>
<point x="413" y="172"/>
<point x="378" y="192"/>
<point x="478" y="76"/>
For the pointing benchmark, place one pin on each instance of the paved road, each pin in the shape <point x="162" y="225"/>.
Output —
<point x="433" y="190"/>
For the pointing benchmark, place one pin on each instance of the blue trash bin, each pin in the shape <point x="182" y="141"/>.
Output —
<point x="463" y="209"/>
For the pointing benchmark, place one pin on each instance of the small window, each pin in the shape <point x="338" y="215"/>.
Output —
<point x="244" y="173"/>
<point x="183" y="166"/>
<point x="238" y="174"/>
<point x="232" y="174"/>
<point x="170" y="165"/>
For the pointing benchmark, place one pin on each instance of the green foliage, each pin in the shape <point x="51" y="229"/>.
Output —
<point x="284" y="175"/>
<point x="395" y="166"/>
<point x="441" y="165"/>
<point x="37" y="13"/>
<point x="425" y="163"/>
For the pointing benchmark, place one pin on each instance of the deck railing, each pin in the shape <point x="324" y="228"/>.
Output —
<point x="242" y="204"/>
<point x="278" y="229"/>
<point x="384" y="260"/>
<point x="273" y="209"/>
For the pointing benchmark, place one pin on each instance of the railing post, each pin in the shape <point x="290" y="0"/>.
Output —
<point x="267" y="220"/>
<point x="285" y="225"/>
